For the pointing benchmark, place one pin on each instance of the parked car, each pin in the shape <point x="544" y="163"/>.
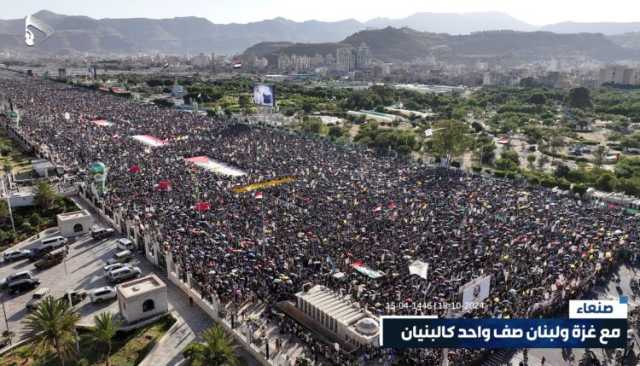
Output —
<point x="102" y="294"/>
<point x="37" y="298"/>
<point x="125" y="244"/>
<point x="112" y="267"/>
<point x="52" y="258"/>
<point x="21" y="281"/>
<point x="99" y="233"/>
<point x="15" y="255"/>
<point x="121" y="257"/>
<point x="53" y="242"/>
<point x="76" y="296"/>
<point x="124" y="274"/>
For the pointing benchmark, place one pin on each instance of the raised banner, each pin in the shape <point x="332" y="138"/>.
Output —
<point x="149" y="140"/>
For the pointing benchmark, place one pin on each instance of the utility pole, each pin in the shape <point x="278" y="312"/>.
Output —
<point x="6" y="193"/>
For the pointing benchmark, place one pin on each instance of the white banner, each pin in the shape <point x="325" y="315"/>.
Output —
<point x="419" y="268"/>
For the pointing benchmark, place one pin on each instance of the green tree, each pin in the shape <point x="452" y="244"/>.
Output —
<point x="606" y="182"/>
<point x="531" y="159"/>
<point x="599" y="154"/>
<point x="579" y="98"/>
<point x="52" y="325"/>
<point x="45" y="196"/>
<point x="106" y="328"/>
<point x="216" y="349"/>
<point x="449" y="139"/>
<point x="245" y="103"/>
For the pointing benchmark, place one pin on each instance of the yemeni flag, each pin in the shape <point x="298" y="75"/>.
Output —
<point x="377" y="209"/>
<point x="203" y="206"/>
<point x="134" y="169"/>
<point x="258" y="195"/>
<point x="164" y="185"/>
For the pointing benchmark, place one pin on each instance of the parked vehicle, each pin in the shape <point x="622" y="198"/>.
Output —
<point x="53" y="242"/>
<point x="125" y="244"/>
<point x="21" y="281"/>
<point x="124" y="274"/>
<point x="112" y="267"/>
<point x="121" y="257"/>
<point x="37" y="298"/>
<point x="76" y="296"/>
<point x="15" y="255"/>
<point x="99" y="233"/>
<point x="52" y="258"/>
<point x="102" y="294"/>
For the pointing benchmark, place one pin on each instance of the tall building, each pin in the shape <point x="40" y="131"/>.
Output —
<point x="345" y="60"/>
<point x="363" y="57"/>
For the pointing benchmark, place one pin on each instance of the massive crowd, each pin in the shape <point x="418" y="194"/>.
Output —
<point x="346" y="205"/>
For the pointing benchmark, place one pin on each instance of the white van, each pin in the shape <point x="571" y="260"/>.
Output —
<point x="124" y="274"/>
<point x="53" y="242"/>
<point x="125" y="244"/>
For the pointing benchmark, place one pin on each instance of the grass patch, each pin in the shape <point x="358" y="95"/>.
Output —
<point x="12" y="155"/>
<point x="128" y="349"/>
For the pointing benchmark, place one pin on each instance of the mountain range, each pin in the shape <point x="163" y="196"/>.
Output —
<point x="504" y="47"/>
<point x="192" y="35"/>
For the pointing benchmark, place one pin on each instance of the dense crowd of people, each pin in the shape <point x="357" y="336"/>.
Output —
<point x="346" y="206"/>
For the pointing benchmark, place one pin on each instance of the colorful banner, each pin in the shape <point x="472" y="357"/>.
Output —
<point x="102" y="123"/>
<point x="149" y="140"/>
<point x="215" y="166"/>
<point x="367" y="271"/>
<point x="264" y="184"/>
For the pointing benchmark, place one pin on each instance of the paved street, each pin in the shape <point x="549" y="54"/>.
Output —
<point x="83" y="269"/>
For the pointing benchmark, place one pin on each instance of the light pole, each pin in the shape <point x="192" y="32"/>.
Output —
<point x="6" y="193"/>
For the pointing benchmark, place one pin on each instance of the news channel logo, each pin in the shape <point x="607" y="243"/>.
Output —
<point x="32" y="24"/>
<point x="591" y="324"/>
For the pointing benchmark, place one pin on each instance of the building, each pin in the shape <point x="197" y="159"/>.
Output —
<point x="74" y="223"/>
<point x="339" y="316"/>
<point x="142" y="298"/>
<point x="345" y="60"/>
<point x="42" y="167"/>
<point x="284" y="62"/>
<point x="201" y="60"/>
<point x="363" y="57"/>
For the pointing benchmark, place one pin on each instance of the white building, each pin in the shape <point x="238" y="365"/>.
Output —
<point x="338" y="315"/>
<point x="74" y="223"/>
<point x="142" y="298"/>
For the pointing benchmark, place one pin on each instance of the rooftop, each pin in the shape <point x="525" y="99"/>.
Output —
<point x="338" y="307"/>
<point x="140" y="286"/>
<point x="73" y="215"/>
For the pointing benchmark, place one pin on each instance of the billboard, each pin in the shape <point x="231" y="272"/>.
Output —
<point x="264" y="95"/>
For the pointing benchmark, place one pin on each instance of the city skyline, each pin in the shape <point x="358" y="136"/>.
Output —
<point x="244" y="11"/>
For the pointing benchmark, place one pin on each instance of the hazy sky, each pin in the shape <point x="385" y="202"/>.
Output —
<point x="536" y="12"/>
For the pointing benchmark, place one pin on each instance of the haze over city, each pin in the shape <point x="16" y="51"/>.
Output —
<point x="242" y="11"/>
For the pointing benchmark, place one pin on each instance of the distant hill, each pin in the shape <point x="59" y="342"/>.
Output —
<point x="627" y="40"/>
<point x="453" y="23"/>
<point x="80" y="34"/>
<point x="404" y="45"/>
<point x="192" y="35"/>
<point x="606" y="28"/>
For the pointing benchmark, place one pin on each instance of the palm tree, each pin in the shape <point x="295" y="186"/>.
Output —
<point x="53" y="325"/>
<point x="106" y="327"/>
<point x="216" y="349"/>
